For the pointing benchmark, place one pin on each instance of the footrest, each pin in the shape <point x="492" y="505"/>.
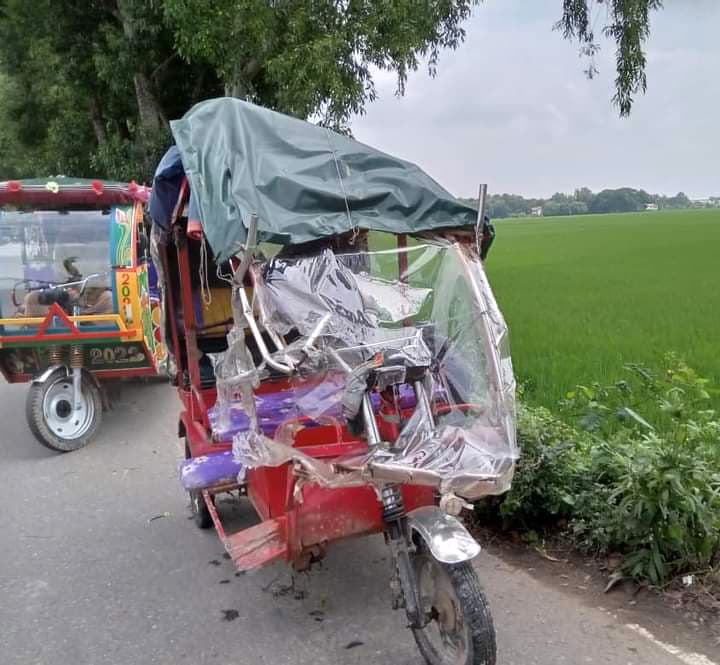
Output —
<point x="258" y="545"/>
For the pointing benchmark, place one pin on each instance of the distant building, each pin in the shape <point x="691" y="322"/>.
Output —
<point x="709" y="202"/>
<point x="537" y="211"/>
<point x="651" y="206"/>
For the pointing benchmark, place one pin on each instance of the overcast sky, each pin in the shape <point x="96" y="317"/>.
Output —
<point x="511" y="107"/>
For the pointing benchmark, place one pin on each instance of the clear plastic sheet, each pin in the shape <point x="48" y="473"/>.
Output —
<point x="417" y="326"/>
<point x="235" y="378"/>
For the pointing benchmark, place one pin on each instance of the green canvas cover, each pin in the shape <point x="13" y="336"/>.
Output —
<point x="303" y="181"/>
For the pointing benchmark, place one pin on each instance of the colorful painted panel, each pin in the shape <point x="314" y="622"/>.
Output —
<point x="121" y="246"/>
<point x="96" y="357"/>
<point x="151" y="316"/>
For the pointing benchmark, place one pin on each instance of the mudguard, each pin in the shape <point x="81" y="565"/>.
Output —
<point x="446" y="537"/>
<point x="41" y="378"/>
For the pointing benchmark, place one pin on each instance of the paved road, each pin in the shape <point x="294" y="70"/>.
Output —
<point x="87" y="579"/>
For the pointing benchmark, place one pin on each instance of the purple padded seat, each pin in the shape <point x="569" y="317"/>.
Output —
<point x="273" y="409"/>
<point x="207" y="471"/>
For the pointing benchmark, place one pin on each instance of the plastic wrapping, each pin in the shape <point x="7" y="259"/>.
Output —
<point x="419" y="329"/>
<point x="236" y="378"/>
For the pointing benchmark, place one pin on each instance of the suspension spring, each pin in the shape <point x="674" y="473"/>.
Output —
<point x="55" y="355"/>
<point x="77" y="358"/>
<point x="393" y="503"/>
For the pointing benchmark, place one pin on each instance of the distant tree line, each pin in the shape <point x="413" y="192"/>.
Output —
<point x="584" y="201"/>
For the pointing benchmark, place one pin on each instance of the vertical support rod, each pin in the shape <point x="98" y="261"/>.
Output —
<point x="402" y="257"/>
<point x="191" y="349"/>
<point x="403" y="267"/>
<point x="371" y="427"/>
<point x="482" y="197"/>
<point x="171" y="314"/>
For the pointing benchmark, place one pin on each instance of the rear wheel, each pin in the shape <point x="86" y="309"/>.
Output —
<point x="460" y="631"/>
<point x="53" y="418"/>
<point x="200" y="513"/>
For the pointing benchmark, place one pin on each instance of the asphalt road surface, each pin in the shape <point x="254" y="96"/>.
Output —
<point x="99" y="564"/>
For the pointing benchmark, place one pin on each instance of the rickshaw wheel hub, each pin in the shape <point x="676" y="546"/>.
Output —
<point x="61" y="417"/>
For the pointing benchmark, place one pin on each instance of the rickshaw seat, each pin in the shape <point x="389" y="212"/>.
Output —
<point x="277" y="407"/>
<point x="208" y="471"/>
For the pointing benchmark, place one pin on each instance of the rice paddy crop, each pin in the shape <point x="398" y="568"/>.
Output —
<point x="584" y="295"/>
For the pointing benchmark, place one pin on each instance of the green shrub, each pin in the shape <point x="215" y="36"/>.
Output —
<point x="550" y="472"/>
<point x="639" y="475"/>
<point x="654" y="493"/>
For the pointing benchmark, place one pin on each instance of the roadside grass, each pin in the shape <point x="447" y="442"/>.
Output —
<point x="584" y="295"/>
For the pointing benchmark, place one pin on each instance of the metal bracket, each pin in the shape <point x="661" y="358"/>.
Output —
<point x="42" y="378"/>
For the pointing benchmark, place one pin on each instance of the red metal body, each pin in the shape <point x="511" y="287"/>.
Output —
<point x="298" y="520"/>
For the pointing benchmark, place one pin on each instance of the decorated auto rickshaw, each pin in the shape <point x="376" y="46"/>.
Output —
<point x="341" y="361"/>
<point x="78" y="299"/>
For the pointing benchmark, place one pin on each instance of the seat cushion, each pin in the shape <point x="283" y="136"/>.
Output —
<point x="208" y="471"/>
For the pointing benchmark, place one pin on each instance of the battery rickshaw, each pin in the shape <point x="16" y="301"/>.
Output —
<point x="78" y="299"/>
<point x="341" y="361"/>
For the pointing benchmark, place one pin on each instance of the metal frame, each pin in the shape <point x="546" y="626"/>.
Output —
<point x="299" y="519"/>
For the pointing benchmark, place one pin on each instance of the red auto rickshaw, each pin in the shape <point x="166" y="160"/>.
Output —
<point x="341" y="361"/>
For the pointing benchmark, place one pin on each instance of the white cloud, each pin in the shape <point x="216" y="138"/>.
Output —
<point x="512" y="107"/>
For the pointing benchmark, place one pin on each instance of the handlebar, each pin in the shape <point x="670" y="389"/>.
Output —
<point x="52" y="292"/>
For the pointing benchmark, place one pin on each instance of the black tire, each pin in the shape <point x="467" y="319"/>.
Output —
<point x="50" y="434"/>
<point x="470" y="603"/>
<point x="200" y="513"/>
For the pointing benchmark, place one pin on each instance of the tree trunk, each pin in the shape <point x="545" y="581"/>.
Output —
<point x="98" y="122"/>
<point x="152" y="119"/>
<point x="242" y="84"/>
<point x="151" y="115"/>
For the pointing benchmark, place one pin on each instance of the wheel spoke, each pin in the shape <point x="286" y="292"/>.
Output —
<point x="446" y="632"/>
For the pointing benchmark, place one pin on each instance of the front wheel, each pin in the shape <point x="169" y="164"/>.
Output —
<point x="460" y="630"/>
<point x="53" y="418"/>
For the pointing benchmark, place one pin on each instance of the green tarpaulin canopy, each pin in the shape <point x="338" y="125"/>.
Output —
<point x="302" y="181"/>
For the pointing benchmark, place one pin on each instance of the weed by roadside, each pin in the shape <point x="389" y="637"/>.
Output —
<point x="632" y="469"/>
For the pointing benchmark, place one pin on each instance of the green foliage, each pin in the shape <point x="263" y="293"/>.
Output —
<point x="131" y="159"/>
<point x="639" y="476"/>
<point x="617" y="200"/>
<point x="82" y="81"/>
<point x="550" y="473"/>
<point x="628" y="25"/>
<point x="585" y="295"/>
<point x="657" y="456"/>
<point x="85" y="84"/>
<point x="315" y="59"/>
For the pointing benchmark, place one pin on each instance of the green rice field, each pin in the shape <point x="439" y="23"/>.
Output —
<point x="584" y="295"/>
